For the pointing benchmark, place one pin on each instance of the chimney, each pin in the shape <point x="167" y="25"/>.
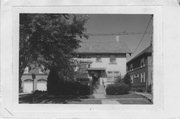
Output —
<point x="117" y="39"/>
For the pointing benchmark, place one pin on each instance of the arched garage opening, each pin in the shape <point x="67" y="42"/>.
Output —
<point x="42" y="85"/>
<point x="28" y="86"/>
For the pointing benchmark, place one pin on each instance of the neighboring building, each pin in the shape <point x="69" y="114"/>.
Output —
<point x="103" y="59"/>
<point x="38" y="83"/>
<point x="139" y="68"/>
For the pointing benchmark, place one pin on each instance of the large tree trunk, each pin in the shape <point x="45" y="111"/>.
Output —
<point x="54" y="84"/>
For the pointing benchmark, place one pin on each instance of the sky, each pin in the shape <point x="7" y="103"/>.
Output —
<point x="116" y="23"/>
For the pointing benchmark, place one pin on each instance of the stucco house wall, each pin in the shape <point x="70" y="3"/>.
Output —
<point x="120" y="64"/>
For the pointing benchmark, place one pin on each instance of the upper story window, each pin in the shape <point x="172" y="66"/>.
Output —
<point x="98" y="59"/>
<point x="142" y="63"/>
<point x="131" y="67"/>
<point x="112" y="59"/>
<point x="110" y="72"/>
<point x="132" y="79"/>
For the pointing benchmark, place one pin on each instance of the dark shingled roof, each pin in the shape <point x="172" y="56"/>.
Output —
<point x="103" y="46"/>
<point x="146" y="50"/>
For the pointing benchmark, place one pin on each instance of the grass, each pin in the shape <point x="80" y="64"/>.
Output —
<point x="93" y="101"/>
<point x="130" y="95"/>
<point x="134" y="101"/>
<point x="44" y="98"/>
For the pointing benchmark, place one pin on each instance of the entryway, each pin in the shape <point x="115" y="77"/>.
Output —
<point x="99" y="92"/>
<point x="97" y="75"/>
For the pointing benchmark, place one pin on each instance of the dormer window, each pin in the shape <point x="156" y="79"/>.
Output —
<point x="142" y="63"/>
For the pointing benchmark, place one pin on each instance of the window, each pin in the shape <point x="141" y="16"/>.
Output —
<point x="131" y="67"/>
<point x="109" y="72"/>
<point x="142" y="63"/>
<point x="98" y="59"/>
<point x="116" y="74"/>
<point x="132" y="81"/>
<point x="113" y="60"/>
<point x="143" y="78"/>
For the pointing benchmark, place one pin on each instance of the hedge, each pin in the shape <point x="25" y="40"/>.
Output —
<point x="72" y="88"/>
<point x="117" y="89"/>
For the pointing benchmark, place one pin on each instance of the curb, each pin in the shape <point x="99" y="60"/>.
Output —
<point x="145" y="96"/>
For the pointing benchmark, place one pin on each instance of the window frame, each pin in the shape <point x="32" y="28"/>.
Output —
<point x="144" y="77"/>
<point x="141" y="78"/>
<point x="132" y="79"/>
<point x="98" y="59"/>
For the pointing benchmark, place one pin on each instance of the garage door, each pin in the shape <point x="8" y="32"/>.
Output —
<point x="28" y="86"/>
<point x="41" y="85"/>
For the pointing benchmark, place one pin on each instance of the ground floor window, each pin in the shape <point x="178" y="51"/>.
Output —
<point x="143" y="77"/>
<point x="132" y="80"/>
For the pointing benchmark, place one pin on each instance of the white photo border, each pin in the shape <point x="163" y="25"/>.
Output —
<point x="11" y="104"/>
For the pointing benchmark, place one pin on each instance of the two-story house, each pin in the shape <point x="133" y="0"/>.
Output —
<point x="106" y="57"/>
<point x="139" y="68"/>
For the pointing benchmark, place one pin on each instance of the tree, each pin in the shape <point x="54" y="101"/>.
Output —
<point x="50" y="40"/>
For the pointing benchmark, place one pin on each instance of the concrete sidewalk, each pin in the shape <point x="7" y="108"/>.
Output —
<point x="99" y="93"/>
<point x="109" y="101"/>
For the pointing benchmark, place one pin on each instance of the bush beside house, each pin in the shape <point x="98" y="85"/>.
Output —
<point x="117" y="89"/>
<point x="121" y="86"/>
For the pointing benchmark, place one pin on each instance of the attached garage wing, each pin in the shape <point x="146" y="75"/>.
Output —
<point x="42" y="85"/>
<point x="28" y="86"/>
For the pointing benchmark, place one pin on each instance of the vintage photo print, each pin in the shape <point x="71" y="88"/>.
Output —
<point x="91" y="60"/>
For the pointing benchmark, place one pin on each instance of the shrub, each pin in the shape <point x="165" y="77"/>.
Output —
<point x="73" y="88"/>
<point x="119" y="80"/>
<point x="127" y="80"/>
<point x="58" y="85"/>
<point x="117" y="89"/>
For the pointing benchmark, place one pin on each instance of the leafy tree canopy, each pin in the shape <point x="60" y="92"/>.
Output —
<point x="50" y="39"/>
